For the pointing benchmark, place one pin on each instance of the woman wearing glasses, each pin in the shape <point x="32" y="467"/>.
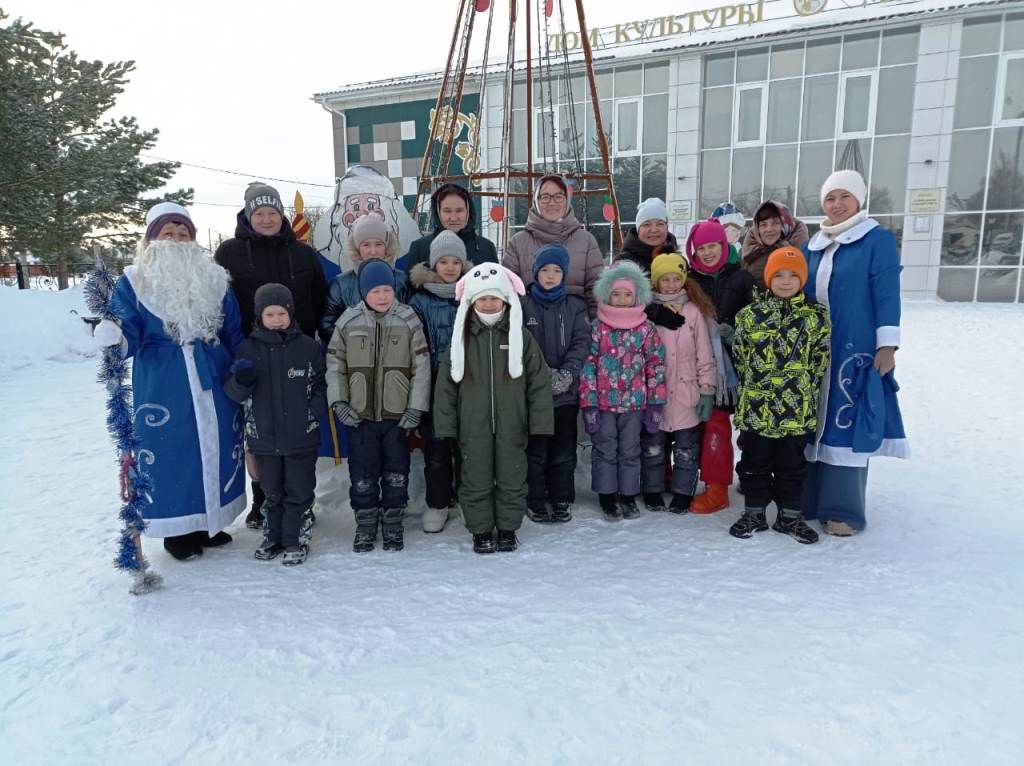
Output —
<point x="552" y="221"/>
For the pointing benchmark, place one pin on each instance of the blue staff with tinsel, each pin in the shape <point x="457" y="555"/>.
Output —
<point x="136" y="485"/>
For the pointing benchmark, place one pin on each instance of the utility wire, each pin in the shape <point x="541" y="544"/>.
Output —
<point x="239" y="173"/>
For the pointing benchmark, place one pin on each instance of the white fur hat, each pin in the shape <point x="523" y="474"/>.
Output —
<point x="489" y="279"/>
<point x="850" y="180"/>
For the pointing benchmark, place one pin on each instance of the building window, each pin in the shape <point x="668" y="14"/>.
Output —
<point x="857" y="98"/>
<point x="751" y="114"/>
<point x="777" y="120"/>
<point x="983" y="231"/>
<point x="1011" y="90"/>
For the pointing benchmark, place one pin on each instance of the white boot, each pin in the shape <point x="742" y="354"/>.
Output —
<point x="434" y="519"/>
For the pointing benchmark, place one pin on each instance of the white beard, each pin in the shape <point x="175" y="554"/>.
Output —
<point x="181" y="284"/>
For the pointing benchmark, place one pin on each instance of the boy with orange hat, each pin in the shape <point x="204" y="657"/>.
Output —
<point x="781" y="350"/>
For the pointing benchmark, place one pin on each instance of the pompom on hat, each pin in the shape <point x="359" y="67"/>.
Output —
<point x="488" y="279"/>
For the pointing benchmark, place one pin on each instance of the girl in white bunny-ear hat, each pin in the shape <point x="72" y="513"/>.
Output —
<point x="493" y="392"/>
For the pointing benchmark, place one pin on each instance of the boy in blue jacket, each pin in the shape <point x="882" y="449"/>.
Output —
<point x="560" y="324"/>
<point x="435" y="304"/>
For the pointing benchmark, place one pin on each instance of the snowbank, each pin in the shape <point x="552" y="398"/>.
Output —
<point x="656" y="641"/>
<point x="41" y="325"/>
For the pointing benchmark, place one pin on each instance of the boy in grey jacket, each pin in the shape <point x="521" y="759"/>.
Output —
<point x="378" y="384"/>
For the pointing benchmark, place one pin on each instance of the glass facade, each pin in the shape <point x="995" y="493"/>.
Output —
<point x="778" y="119"/>
<point x="634" y="115"/>
<point x="983" y="229"/>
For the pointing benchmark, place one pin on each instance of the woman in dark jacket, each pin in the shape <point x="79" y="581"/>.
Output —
<point x="774" y="227"/>
<point x="265" y="250"/>
<point x="451" y="209"/>
<point x="650" y="237"/>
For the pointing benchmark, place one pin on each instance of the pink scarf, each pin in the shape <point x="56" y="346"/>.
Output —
<point x="621" y="317"/>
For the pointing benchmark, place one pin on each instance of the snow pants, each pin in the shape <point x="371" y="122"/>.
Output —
<point x="836" y="493"/>
<point x="615" y="458"/>
<point x="716" y="466"/>
<point x="442" y="466"/>
<point x="551" y="461"/>
<point x="493" y="489"/>
<point x="773" y="469"/>
<point x="685" y="449"/>
<point x="289" y="483"/>
<point x="378" y="467"/>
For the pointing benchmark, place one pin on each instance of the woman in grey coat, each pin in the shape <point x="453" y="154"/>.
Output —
<point x="552" y="222"/>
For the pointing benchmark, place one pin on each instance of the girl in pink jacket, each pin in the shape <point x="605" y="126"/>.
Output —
<point x="622" y="386"/>
<point x="690" y="378"/>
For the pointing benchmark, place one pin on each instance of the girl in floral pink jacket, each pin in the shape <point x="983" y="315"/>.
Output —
<point x="690" y="377"/>
<point x="622" y="386"/>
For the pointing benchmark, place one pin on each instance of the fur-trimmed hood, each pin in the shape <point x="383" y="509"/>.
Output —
<point x="623" y="270"/>
<point x="350" y="253"/>
<point x="421" y="274"/>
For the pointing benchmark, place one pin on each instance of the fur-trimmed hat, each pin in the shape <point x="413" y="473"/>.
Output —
<point x="701" y="234"/>
<point x="163" y="213"/>
<point x="489" y="279"/>
<point x="627" y="271"/>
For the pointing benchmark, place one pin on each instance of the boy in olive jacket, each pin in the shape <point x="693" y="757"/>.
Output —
<point x="781" y="350"/>
<point x="378" y="383"/>
<point x="493" y="393"/>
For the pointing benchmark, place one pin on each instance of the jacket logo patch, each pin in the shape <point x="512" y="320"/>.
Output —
<point x="295" y="372"/>
<point x="532" y="322"/>
<point x="503" y="346"/>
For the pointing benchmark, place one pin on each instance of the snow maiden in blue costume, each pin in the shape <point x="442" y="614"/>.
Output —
<point x="179" y="322"/>
<point x="854" y="271"/>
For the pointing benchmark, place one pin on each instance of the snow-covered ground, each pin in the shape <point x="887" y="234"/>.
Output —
<point x="661" y="640"/>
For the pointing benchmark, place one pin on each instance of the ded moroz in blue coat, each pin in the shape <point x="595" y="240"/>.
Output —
<point x="856" y="276"/>
<point x="189" y="432"/>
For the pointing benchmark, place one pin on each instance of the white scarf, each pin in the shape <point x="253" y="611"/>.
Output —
<point x="489" y="319"/>
<point x="832" y="230"/>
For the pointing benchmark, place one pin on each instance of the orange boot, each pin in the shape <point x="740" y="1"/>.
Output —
<point x="714" y="498"/>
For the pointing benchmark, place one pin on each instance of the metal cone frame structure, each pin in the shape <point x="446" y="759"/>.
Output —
<point x="506" y="182"/>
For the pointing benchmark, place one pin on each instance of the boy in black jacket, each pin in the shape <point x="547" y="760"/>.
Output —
<point x="278" y="373"/>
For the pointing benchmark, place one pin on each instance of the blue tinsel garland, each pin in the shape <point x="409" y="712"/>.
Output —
<point x="113" y="374"/>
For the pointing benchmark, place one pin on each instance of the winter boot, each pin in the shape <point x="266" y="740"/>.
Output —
<point x="365" y="540"/>
<point x="654" y="501"/>
<point x="483" y="542"/>
<point x="217" y="540"/>
<point x="394" y="538"/>
<point x="628" y="507"/>
<point x="295" y="555"/>
<point x="680" y="503"/>
<point x="561" y="512"/>
<point x="793" y="524"/>
<point x="610" y="506"/>
<point x="751" y="521"/>
<point x="268" y="550"/>
<point x="507" y="541"/>
<point x="839" y="529"/>
<point x="254" y="520"/>
<point x="306" y="527"/>
<point x="714" y="498"/>
<point x="539" y="515"/>
<point x="183" y="547"/>
<point x="434" y="519"/>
